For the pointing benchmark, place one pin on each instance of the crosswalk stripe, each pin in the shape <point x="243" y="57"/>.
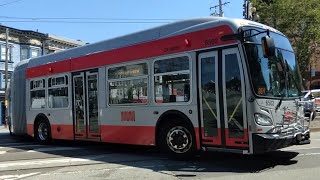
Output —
<point x="309" y="154"/>
<point x="47" y="149"/>
<point x="49" y="162"/>
<point x="20" y="176"/>
<point x="299" y="148"/>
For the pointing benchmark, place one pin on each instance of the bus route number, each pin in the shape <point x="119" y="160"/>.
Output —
<point x="127" y="116"/>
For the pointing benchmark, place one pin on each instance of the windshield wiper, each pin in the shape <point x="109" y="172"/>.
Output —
<point x="279" y="103"/>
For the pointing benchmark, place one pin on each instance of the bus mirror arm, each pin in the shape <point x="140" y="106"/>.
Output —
<point x="228" y="37"/>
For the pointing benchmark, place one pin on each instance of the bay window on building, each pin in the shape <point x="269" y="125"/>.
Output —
<point x="29" y="52"/>
<point x="3" y="52"/>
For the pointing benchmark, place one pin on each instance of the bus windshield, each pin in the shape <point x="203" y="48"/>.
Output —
<point x="276" y="76"/>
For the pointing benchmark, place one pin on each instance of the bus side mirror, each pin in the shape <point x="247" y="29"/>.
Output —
<point x="268" y="46"/>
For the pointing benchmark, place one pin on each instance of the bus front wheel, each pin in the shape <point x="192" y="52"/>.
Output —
<point x="43" y="132"/>
<point x="177" y="139"/>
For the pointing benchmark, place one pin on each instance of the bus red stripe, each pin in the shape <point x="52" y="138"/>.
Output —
<point x="237" y="142"/>
<point x="62" y="131"/>
<point x="197" y="134"/>
<point x="30" y="129"/>
<point x="197" y="40"/>
<point x="212" y="140"/>
<point x="138" y="135"/>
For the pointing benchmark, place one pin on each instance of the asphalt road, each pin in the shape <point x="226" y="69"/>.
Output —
<point x="25" y="159"/>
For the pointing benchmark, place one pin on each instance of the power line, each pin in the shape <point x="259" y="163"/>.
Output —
<point x="80" y="18"/>
<point x="10" y="2"/>
<point x="92" y="22"/>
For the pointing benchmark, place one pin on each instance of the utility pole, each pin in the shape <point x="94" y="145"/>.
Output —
<point x="220" y="9"/>
<point x="6" y="78"/>
<point x="310" y="76"/>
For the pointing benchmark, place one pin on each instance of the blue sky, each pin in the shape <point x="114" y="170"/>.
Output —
<point x="103" y="16"/>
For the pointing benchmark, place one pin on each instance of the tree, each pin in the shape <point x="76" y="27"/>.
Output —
<point x="300" y="21"/>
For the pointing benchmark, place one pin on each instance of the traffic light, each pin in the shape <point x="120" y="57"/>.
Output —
<point x="245" y="10"/>
<point x="250" y="12"/>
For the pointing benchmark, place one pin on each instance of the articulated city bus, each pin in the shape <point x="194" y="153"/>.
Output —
<point x="201" y="84"/>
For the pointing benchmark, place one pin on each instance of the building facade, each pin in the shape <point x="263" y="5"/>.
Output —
<point x="25" y="44"/>
<point x="315" y="71"/>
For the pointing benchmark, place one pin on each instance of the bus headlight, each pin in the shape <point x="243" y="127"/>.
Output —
<point x="263" y="120"/>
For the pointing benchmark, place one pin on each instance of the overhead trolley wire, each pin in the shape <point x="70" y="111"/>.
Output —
<point x="77" y="20"/>
<point x="93" y="22"/>
<point x="10" y="2"/>
<point x="93" y="18"/>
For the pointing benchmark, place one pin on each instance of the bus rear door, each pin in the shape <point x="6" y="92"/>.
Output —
<point x="85" y="105"/>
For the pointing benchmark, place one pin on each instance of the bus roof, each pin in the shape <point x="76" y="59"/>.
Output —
<point x="168" y="30"/>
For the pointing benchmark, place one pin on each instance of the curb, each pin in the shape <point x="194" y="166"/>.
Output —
<point x="315" y="129"/>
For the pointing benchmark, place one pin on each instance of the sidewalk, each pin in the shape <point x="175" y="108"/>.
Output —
<point x="4" y="129"/>
<point x="315" y="124"/>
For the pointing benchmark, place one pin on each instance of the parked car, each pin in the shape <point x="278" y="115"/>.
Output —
<point x="313" y="102"/>
<point x="316" y="95"/>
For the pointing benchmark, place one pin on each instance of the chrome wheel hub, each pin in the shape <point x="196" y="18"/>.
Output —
<point x="179" y="139"/>
<point x="43" y="131"/>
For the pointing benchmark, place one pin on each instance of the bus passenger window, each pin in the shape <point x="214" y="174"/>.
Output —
<point x="172" y="80"/>
<point x="38" y="99"/>
<point x="37" y="94"/>
<point x="58" y="92"/>
<point x="128" y="84"/>
<point x="172" y="88"/>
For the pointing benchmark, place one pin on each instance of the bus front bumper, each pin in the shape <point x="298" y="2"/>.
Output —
<point x="269" y="142"/>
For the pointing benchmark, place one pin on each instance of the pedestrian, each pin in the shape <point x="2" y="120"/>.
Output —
<point x="9" y="124"/>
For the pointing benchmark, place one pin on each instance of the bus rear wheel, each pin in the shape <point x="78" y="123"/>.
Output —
<point x="43" y="132"/>
<point x="177" y="140"/>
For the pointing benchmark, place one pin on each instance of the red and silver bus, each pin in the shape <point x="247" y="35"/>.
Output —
<point x="200" y="84"/>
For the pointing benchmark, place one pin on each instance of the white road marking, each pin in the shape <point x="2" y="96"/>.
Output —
<point x="21" y="146"/>
<point x="309" y="154"/>
<point x="48" y="149"/>
<point x="13" y="177"/>
<point x="303" y="148"/>
<point x="44" y="162"/>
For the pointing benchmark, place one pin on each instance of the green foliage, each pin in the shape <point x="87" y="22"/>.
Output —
<point x="299" y="20"/>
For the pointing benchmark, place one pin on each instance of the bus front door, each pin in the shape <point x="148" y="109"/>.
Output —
<point x="85" y="105"/>
<point x="222" y="110"/>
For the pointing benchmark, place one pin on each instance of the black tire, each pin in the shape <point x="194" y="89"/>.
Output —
<point x="42" y="132"/>
<point x="177" y="140"/>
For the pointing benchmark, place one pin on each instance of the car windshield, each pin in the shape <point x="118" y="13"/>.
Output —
<point x="276" y="76"/>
